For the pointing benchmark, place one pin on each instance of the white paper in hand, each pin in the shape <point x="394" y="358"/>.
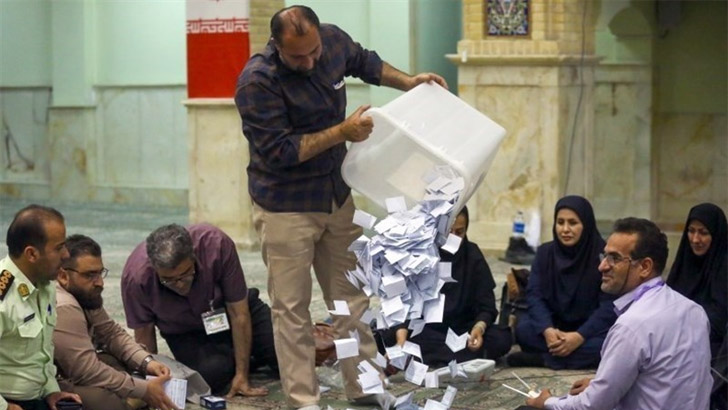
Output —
<point x="176" y="390"/>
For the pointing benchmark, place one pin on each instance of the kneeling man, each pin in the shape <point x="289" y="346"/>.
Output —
<point x="189" y="283"/>
<point x="93" y="353"/>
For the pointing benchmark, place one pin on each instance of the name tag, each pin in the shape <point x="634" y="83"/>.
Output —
<point x="215" y="321"/>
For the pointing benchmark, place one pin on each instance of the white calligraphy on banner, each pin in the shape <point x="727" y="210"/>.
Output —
<point x="217" y="16"/>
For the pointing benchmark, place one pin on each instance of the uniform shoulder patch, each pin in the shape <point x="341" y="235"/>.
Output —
<point x="6" y="279"/>
<point x="23" y="290"/>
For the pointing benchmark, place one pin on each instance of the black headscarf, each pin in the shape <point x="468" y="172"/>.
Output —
<point x="703" y="279"/>
<point x="570" y="280"/>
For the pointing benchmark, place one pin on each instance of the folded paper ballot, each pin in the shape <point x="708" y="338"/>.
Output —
<point x="346" y="348"/>
<point x="454" y="342"/>
<point x="176" y="390"/>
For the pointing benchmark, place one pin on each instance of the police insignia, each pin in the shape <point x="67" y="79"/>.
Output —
<point x="23" y="290"/>
<point x="6" y="279"/>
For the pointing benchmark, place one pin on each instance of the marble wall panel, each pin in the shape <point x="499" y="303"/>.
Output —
<point x="692" y="163"/>
<point x="141" y="137"/>
<point x="218" y="156"/>
<point x="622" y="146"/>
<point x="23" y="135"/>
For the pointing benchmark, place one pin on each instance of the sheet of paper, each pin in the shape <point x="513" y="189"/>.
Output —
<point x="393" y="285"/>
<point x="395" y="204"/>
<point x="412" y="349"/>
<point x="453" y="244"/>
<point x="456" y="370"/>
<point x="354" y="334"/>
<point x="444" y="272"/>
<point x="432" y="381"/>
<point x="434" y="405"/>
<point x="176" y="390"/>
<point x="416" y="326"/>
<point x="449" y="397"/>
<point x="364" y="219"/>
<point x="346" y="348"/>
<point x="433" y="310"/>
<point x="454" y="342"/>
<point x="415" y="372"/>
<point x="366" y="367"/>
<point x="380" y="360"/>
<point x="392" y="305"/>
<point x="403" y="400"/>
<point x="341" y="308"/>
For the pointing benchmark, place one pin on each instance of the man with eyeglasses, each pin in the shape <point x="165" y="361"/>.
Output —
<point x="656" y="355"/>
<point x="188" y="283"/>
<point x="94" y="354"/>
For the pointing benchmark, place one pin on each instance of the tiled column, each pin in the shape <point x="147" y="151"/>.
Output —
<point x="533" y="74"/>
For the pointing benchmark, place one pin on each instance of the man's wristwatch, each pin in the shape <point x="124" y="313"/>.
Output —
<point x="145" y="363"/>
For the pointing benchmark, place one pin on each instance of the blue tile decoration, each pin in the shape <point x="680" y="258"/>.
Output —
<point x="508" y="17"/>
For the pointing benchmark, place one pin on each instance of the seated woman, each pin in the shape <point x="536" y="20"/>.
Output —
<point x="568" y="315"/>
<point x="469" y="307"/>
<point x="700" y="270"/>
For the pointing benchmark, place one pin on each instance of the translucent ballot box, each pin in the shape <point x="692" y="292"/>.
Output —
<point x="421" y="129"/>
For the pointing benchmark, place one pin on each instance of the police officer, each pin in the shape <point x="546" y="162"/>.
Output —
<point x="36" y="245"/>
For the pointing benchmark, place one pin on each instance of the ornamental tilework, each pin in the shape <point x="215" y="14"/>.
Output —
<point x="507" y="17"/>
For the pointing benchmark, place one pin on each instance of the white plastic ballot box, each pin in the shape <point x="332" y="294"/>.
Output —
<point x="419" y="130"/>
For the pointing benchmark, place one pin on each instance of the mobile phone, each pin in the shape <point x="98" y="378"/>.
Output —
<point x="68" y="404"/>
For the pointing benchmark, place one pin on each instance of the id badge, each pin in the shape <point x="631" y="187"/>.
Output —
<point x="215" y="321"/>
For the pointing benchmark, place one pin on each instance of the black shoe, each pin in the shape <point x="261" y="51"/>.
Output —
<point x="525" y="359"/>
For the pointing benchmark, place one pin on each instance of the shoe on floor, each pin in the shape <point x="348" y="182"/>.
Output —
<point x="525" y="359"/>
<point x="384" y="400"/>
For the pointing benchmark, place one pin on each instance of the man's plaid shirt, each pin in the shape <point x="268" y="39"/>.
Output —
<point x="278" y="106"/>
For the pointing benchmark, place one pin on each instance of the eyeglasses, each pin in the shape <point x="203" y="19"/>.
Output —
<point x="613" y="260"/>
<point x="171" y="282"/>
<point x="92" y="276"/>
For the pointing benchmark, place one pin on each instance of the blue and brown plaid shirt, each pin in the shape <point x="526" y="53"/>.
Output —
<point x="278" y="106"/>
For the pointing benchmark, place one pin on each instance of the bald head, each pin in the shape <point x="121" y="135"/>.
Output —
<point x="297" y="20"/>
<point x="28" y="228"/>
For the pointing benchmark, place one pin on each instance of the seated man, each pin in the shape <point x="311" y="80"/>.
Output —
<point x="184" y="281"/>
<point x="93" y="353"/>
<point x="36" y="245"/>
<point x="657" y="354"/>
<point x="469" y="307"/>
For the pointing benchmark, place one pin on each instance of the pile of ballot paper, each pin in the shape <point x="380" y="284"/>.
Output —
<point x="401" y="265"/>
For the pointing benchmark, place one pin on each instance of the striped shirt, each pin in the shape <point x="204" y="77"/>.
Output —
<point x="278" y="106"/>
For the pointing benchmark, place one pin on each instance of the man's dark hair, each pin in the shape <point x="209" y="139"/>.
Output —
<point x="295" y="20"/>
<point x="80" y="245"/>
<point x="168" y="246"/>
<point x="28" y="228"/>
<point x="651" y="242"/>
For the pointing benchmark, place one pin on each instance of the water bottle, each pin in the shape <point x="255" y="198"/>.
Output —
<point x="519" y="225"/>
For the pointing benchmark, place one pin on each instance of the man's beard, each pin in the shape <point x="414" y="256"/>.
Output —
<point x="87" y="300"/>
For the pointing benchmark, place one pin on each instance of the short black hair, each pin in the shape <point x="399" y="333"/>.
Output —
<point x="79" y="245"/>
<point x="651" y="241"/>
<point x="299" y="15"/>
<point x="28" y="228"/>
<point x="168" y="246"/>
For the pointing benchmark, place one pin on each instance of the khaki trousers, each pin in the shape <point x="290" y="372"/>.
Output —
<point x="291" y="244"/>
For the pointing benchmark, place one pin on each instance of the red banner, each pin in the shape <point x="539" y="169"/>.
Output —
<point x="218" y="46"/>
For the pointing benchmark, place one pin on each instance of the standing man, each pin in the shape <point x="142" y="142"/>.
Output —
<point x="188" y="282"/>
<point x="95" y="355"/>
<point x="656" y="355"/>
<point x="36" y="246"/>
<point x="292" y="101"/>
